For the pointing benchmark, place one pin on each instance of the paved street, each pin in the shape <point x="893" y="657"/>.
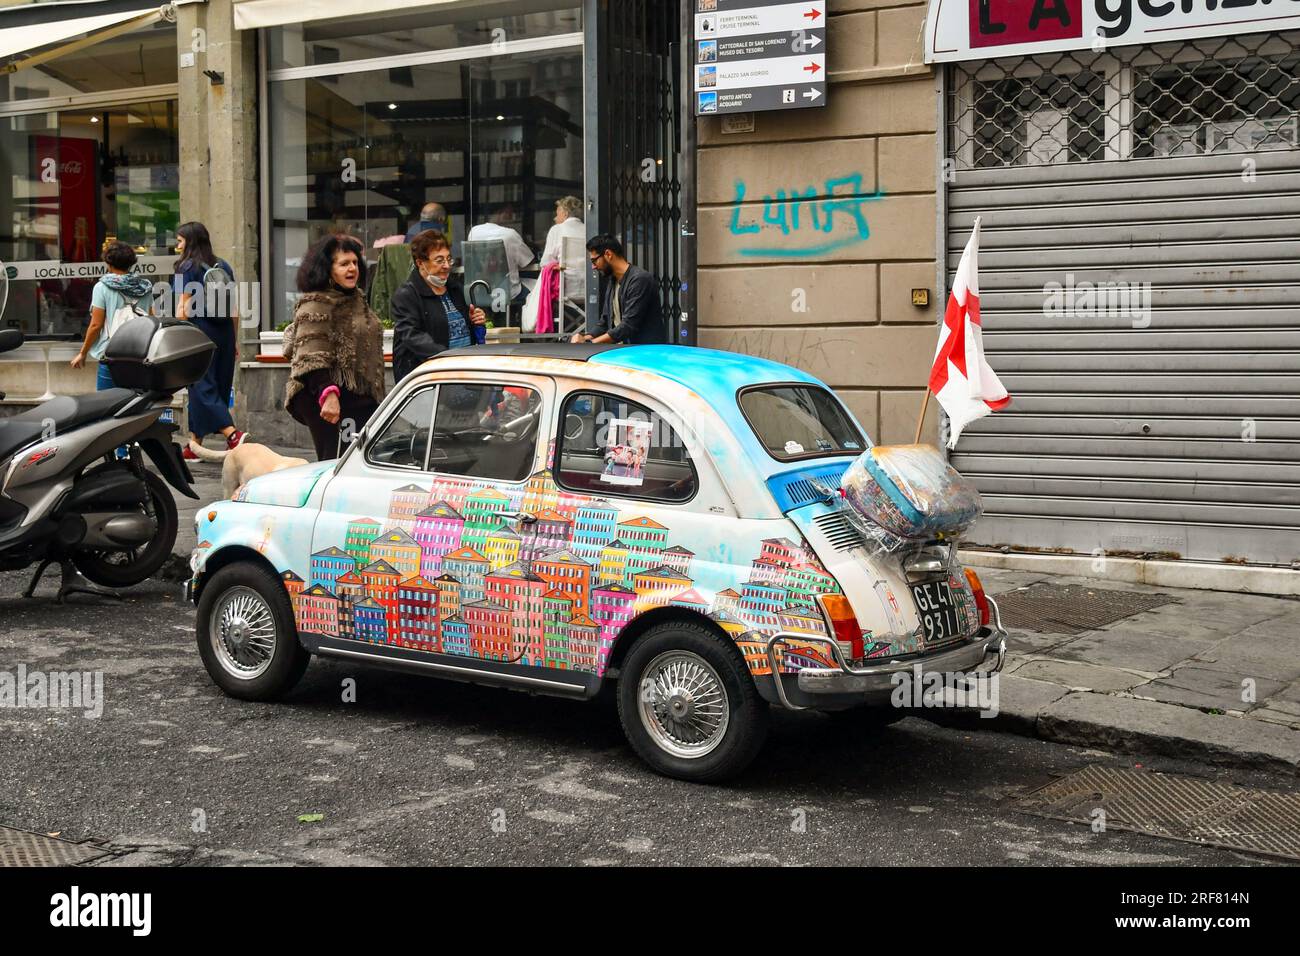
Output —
<point x="422" y="771"/>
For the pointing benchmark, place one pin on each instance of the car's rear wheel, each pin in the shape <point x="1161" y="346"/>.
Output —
<point x="246" y="634"/>
<point x="688" y="705"/>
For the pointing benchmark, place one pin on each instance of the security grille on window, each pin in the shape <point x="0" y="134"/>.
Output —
<point x="1222" y="95"/>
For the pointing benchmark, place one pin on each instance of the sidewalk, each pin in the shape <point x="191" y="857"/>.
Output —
<point x="1209" y="675"/>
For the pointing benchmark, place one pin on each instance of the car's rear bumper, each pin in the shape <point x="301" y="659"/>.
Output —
<point x="983" y="654"/>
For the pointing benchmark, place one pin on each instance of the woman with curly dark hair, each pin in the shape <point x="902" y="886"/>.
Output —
<point x="335" y="345"/>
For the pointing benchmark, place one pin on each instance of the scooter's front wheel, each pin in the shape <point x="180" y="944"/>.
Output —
<point x="122" y="569"/>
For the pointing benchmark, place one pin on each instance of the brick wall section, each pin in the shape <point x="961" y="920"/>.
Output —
<point x="796" y="279"/>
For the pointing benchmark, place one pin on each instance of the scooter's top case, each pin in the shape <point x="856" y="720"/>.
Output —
<point x="158" y="355"/>
<point x="910" y="491"/>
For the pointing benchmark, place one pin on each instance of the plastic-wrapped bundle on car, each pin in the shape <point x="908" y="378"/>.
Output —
<point x="910" y="492"/>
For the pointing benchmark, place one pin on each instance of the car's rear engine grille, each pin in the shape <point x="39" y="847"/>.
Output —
<point x="804" y="487"/>
<point x="840" y="532"/>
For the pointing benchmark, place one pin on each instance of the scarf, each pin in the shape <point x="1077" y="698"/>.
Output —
<point x="335" y="330"/>
<point x="131" y="286"/>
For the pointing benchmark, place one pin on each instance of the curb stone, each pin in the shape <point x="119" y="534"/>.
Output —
<point x="1130" y="725"/>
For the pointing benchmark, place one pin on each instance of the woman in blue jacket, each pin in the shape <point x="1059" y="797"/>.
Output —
<point x="206" y="295"/>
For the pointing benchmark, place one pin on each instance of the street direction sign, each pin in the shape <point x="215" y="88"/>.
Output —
<point x="759" y="55"/>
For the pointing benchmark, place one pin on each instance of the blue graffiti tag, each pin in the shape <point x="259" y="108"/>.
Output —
<point x="792" y="212"/>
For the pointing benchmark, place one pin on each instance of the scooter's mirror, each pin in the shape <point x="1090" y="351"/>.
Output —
<point x="10" y="339"/>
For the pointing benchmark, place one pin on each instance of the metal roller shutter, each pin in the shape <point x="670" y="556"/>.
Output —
<point x="1168" y="423"/>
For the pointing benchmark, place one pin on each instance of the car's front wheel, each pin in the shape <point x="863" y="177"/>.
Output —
<point x="688" y="705"/>
<point x="246" y="634"/>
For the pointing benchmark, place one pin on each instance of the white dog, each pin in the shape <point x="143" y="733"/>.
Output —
<point x="244" y="463"/>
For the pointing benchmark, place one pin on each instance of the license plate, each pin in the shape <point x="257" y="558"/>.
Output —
<point x="168" y="415"/>
<point x="938" y="611"/>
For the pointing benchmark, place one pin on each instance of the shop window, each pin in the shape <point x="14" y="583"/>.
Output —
<point x="1238" y="94"/>
<point x="610" y="446"/>
<point x="1048" y="118"/>
<point x="490" y="136"/>
<point x="372" y="36"/>
<point x="78" y="178"/>
<point x="1244" y="106"/>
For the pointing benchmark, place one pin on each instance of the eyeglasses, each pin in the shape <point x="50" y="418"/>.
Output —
<point x="443" y="261"/>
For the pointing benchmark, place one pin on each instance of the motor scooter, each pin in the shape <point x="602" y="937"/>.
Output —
<point x="74" y="487"/>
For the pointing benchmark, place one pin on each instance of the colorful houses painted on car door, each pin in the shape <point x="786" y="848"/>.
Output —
<point x="444" y="573"/>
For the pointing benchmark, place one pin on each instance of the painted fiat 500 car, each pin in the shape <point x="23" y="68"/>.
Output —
<point x="552" y="517"/>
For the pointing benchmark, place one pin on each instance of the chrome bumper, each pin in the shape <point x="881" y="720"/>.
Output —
<point x="985" y="654"/>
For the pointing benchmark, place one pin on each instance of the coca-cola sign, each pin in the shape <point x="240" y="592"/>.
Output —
<point x="71" y="172"/>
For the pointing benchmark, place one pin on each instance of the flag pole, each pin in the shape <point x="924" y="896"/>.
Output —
<point x="920" y="423"/>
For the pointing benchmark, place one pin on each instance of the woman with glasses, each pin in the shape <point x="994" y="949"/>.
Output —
<point x="429" y="311"/>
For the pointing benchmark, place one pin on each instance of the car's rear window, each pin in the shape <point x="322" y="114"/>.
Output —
<point x="800" y="421"/>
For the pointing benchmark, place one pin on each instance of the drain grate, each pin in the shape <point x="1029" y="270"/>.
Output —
<point x="1174" y="807"/>
<point x="21" y="848"/>
<point x="1072" y="608"/>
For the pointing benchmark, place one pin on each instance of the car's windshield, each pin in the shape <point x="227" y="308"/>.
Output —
<point x="800" y="421"/>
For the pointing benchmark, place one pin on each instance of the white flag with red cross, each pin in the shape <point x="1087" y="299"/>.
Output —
<point x="961" y="378"/>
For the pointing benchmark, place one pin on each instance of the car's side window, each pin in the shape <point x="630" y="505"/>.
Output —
<point x="485" y="431"/>
<point x="611" y="446"/>
<point x="404" y="441"/>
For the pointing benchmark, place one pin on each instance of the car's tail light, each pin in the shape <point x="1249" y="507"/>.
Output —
<point x="843" y="623"/>
<point x="981" y="601"/>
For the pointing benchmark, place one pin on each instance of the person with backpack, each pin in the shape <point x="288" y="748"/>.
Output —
<point x="119" y="296"/>
<point x="206" y="296"/>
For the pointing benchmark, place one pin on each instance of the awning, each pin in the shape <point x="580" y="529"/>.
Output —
<point x="982" y="29"/>
<point x="253" y="14"/>
<point x="34" y="27"/>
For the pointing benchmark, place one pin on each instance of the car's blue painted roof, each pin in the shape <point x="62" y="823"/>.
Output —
<point x="713" y="374"/>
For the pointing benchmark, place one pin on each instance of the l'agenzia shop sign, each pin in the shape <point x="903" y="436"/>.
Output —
<point x="982" y="29"/>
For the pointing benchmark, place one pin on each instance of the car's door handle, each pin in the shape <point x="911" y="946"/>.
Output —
<point x="523" y="517"/>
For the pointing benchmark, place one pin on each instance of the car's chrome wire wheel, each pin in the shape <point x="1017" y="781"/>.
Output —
<point x="242" y="631"/>
<point x="684" y="705"/>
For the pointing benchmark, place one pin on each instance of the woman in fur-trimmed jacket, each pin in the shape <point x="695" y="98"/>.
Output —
<point x="335" y="346"/>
